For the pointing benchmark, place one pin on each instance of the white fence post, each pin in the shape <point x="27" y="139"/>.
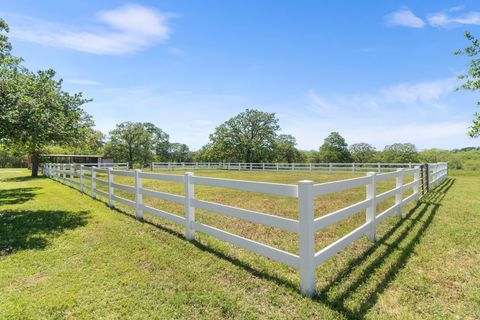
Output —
<point x="416" y="178"/>
<point x="353" y="167"/>
<point x="378" y="167"/>
<point x="399" y="193"/>
<point x="110" y="188"/>
<point x="81" y="178"/>
<point x="138" y="195"/>
<point x="372" y="208"/>
<point x="307" y="238"/>
<point x="189" y="209"/>
<point x="64" y="174"/>
<point x="72" y="174"/>
<point x="93" y="175"/>
<point x="330" y="167"/>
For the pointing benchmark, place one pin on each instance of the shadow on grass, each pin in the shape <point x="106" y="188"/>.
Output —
<point x="23" y="178"/>
<point x="25" y="229"/>
<point x="355" y="289"/>
<point x="17" y="195"/>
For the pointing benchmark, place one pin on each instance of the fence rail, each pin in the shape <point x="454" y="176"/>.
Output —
<point x="306" y="226"/>
<point x="302" y="167"/>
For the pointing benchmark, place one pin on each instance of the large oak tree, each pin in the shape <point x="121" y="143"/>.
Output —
<point x="34" y="110"/>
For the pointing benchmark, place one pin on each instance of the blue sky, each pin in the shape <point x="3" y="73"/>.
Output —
<point x="376" y="71"/>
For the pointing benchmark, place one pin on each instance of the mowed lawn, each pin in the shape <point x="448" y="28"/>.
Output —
<point x="64" y="255"/>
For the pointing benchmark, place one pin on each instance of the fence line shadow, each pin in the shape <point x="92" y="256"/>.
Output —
<point x="402" y="237"/>
<point x="420" y="217"/>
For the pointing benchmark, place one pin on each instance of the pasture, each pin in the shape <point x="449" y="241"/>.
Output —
<point x="63" y="254"/>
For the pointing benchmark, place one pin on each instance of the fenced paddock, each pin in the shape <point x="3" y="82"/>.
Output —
<point x="293" y="235"/>
<point x="295" y="167"/>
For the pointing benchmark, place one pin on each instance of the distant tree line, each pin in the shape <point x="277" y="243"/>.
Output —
<point x="251" y="136"/>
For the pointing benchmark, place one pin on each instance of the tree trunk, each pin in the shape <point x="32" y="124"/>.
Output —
<point x="35" y="163"/>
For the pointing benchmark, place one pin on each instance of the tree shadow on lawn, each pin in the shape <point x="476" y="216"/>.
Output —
<point x="364" y="278"/>
<point x="393" y="251"/>
<point x="25" y="229"/>
<point x="17" y="195"/>
<point x="22" y="178"/>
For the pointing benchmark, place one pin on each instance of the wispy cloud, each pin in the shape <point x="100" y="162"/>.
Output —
<point x="318" y="103"/>
<point x="443" y="19"/>
<point x="449" y="17"/>
<point x="404" y="18"/>
<point x="407" y="94"/>
<point x="427" y="93"/>
<point x="124" y="30"/>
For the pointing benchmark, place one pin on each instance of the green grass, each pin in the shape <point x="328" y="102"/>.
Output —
<point x="64" y="255"/>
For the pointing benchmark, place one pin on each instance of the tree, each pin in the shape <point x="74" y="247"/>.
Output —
<point x="362" y="152"/>
<point x="400" y="153"/>
<point x="34" y="110"/>
<point x="179" y="152"/>
<point x="334" y="149"/>
<point x="248" y="137"/>
<point x="285" y="150"/>
<point x="472" y="78"/>
<point x="137" y="142"/>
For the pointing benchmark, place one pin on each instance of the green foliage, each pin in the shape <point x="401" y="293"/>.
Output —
<point x="472" y="77"/>
<point x="179" y="152"/>
<point x="137" y="142"/>
<point x="400" y="153"/>
<point x="285" y="150"/>
<point x="334" y="149"/>
<point x="34" y="110"/>
<point x="362" y="152"/>
<point x="457" y="158"/>
<point x="11" y="157"/>
<point x="250" y="136"/>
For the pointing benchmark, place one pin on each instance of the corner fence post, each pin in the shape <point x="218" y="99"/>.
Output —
<point x="93" y="174"/>
<point x="138" y="195"/>
<point x="307" y="238"/>
<point x="189" y="209"/>
<point x="110" y="188"/>
<point x="81" y="178"/>
<point x="416" y="178"/>
<point x="427" y="179"/>
<point x="372" y="208"/>
<point x="399" y="193"/>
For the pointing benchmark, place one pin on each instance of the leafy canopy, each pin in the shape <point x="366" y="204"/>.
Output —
<point x="248" y="137"/>
<point x="362" y="152"/>
<point x="137" y="142"/>
<point x="400" y="153"/>
<point x="334" y="149"/>
<point x="34" y="110"/>
<point x="472" y="77"/>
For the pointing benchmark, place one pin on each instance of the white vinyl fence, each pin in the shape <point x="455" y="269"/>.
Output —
<point x="305" y="192"/>
<point x="302" y="167"/>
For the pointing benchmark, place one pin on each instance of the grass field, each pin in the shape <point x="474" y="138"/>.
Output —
<point x="64" y="255"/>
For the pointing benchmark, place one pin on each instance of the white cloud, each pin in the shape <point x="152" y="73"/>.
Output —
<point x="318" y="103"/>
<point x="420" y="95"/>
<point x="442" y="19"/>
<point x="427" y="93"/>
<point x="404" y="18"/>
<point x="124" y="30"/>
